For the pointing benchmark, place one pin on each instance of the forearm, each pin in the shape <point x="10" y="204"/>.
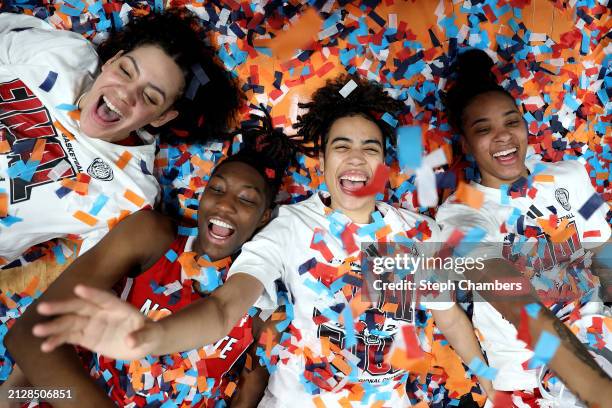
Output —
<point x="572" y="363"/>
<point x="252" y="386"/>
<point x="204" y="321"/>
<point x="61" y="369"/>
<point x="459" y="332"/>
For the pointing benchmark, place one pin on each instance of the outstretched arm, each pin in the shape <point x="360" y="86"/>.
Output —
<point x="107" y="325"/>
<point x="115" y="256"/>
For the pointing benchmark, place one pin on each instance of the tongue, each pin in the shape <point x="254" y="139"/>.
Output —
<point x="106" y="114"/>
<point x="221" y="231"/>
<point x="352" y="185"/>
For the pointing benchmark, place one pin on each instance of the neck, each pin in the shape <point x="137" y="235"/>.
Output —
<point x="494" y="182"/>
<point x="359" y="216"/>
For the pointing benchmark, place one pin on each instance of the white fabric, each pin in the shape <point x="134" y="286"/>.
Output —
<point x="277" y="253"/>
<point x="29" y="50"/>
<point x="504" y="351"/>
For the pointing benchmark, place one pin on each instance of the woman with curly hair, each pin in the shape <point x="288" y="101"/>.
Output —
<point x="73" y="122"/>
<point x="328" y="355"/>
<point x="236" y="202"/>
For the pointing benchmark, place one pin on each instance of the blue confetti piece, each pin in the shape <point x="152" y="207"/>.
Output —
<point x="171" y="255"/>
<point x="409" y="146"/>
<point x="387" y="117"/>
<point x="532" y="310"/>
<point x="59" y="255"/>
<point x="479" y="368"/>
<point x="591" y="205"/>
<point x="97" y="205"/>
<point x="67" y="107"/>
<point x="350" y="339"/>
<point x="62" y="192"/>
<point x="69" y="11"/>
<point x="545" y="349"/>
<point x="185" y="231"/>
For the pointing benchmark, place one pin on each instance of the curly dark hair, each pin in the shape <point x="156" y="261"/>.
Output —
<point x="209" y="104"/>
<point x="368" y="99"/>
<point x="266" y="149"/>
<point x="473" y="77"/>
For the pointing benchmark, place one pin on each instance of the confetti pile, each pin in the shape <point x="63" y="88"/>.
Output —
<point x="554" y="58"/>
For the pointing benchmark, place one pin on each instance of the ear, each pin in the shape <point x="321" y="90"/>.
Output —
<point x="322" y="161"/>
<point x="165" y="117"/>
<point x="265" y="218"/>
<point x="112" y="59"/>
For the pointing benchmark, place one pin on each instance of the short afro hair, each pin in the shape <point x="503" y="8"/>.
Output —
<point x="368" y="99"/>
<point x="209" y="104"/>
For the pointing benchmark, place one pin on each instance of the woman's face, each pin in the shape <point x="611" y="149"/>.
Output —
<point x="353" y="151"/>
<point x="495" y="134"/>
<point x="232" y="207"/>
<point x="134" y="89"/>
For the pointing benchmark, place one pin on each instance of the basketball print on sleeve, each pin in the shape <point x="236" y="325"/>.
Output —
<point x="36" y="155"/>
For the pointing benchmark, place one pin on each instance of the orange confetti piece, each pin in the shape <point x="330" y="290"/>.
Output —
<point x="4" y="146"/>
<point x="86" y="218"/>
<point x="544" y="178"/>
<point x="3" y="205"/>
<point x="469" y="196"/>
<point x="229" y="390"/>
<point x="32" y="286"/>
<point x="124" y="159"/>
<point x="298" y="36"/>
<point x="134" y="198"/>
<point x="39" y="150"/>
<point x="319" y="402"/>
<point x="171" y="375"/>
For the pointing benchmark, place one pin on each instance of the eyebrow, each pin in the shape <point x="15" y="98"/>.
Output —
<point x="477" y="121"/>
<point x="137" y="68"/>
<point x="346" y="139"/>
<point x="249" y="186"/>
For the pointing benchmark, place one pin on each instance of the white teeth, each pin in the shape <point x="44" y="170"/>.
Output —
<point x="504" y="152"/>
<point x="353" y="178"/>
<point x="111" y="106"/>
<point x="220" y="223"/>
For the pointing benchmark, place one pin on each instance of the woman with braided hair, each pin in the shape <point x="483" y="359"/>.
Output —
<point x="147" y="251"/>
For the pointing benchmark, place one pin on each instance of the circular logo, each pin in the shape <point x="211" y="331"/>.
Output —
<point x="562" y="197"/>
<point x="100" y="170"/>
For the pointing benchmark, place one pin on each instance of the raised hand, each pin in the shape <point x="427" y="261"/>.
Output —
<point x="98" y="321"/>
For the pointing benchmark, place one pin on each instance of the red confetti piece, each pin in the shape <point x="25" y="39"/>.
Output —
<point x="377" y="184"/>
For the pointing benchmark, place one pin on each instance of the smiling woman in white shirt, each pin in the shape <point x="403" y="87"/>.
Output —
<point x="76" y="151"/>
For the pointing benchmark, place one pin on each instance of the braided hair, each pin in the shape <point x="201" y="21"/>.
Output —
<point x="266" y="149"/>
<point x="368" y="99"/>
<point x="473" y="77"/>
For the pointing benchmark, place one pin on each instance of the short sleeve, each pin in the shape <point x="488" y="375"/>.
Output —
<point x="262" y="258"/>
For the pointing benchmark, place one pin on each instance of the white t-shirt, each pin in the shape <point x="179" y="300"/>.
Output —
<point x="564" y="195"/>
<point x="281" y="251"/>
<point x="42" y="72"/>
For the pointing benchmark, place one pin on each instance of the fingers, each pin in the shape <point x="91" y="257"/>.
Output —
<point x="69" y="306"/>
<point x="98" y="297"/>
<point x="60" y="325"/>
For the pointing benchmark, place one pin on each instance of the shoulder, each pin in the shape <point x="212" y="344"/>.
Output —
<point x="567" y="168"/>
<point x="146" y="229"/>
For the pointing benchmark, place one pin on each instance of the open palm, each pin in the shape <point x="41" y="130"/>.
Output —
<point x="98" y="321"/>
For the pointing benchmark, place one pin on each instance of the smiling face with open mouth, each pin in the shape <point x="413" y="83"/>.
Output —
<point x="133" y="90"/>
<point x="232" y="207"/>
<point x="496" y="135"/>
<point x="353" y="151"/>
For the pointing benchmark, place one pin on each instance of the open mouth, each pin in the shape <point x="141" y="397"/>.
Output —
<point x="107" y="112"/>
<point x="219" y="229"/>
<point x="352" y="181"/>
<point x="508" y="156"/>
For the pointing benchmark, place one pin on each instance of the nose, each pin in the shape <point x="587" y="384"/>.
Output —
<point x="503" y="135"/>
<point x="128" y="93"/>
<point x="355" y="157"/>
<point x="226" y="204"/>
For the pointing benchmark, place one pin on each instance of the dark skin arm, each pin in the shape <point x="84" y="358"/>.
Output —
<point x="254" y="378"/>
<point x="134" y="244"/>
<point x="572" y="362"/>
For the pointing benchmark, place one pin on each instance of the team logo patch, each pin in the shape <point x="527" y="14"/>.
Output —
<point x="562" y="197"/>
<point x="100" y="170"/>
